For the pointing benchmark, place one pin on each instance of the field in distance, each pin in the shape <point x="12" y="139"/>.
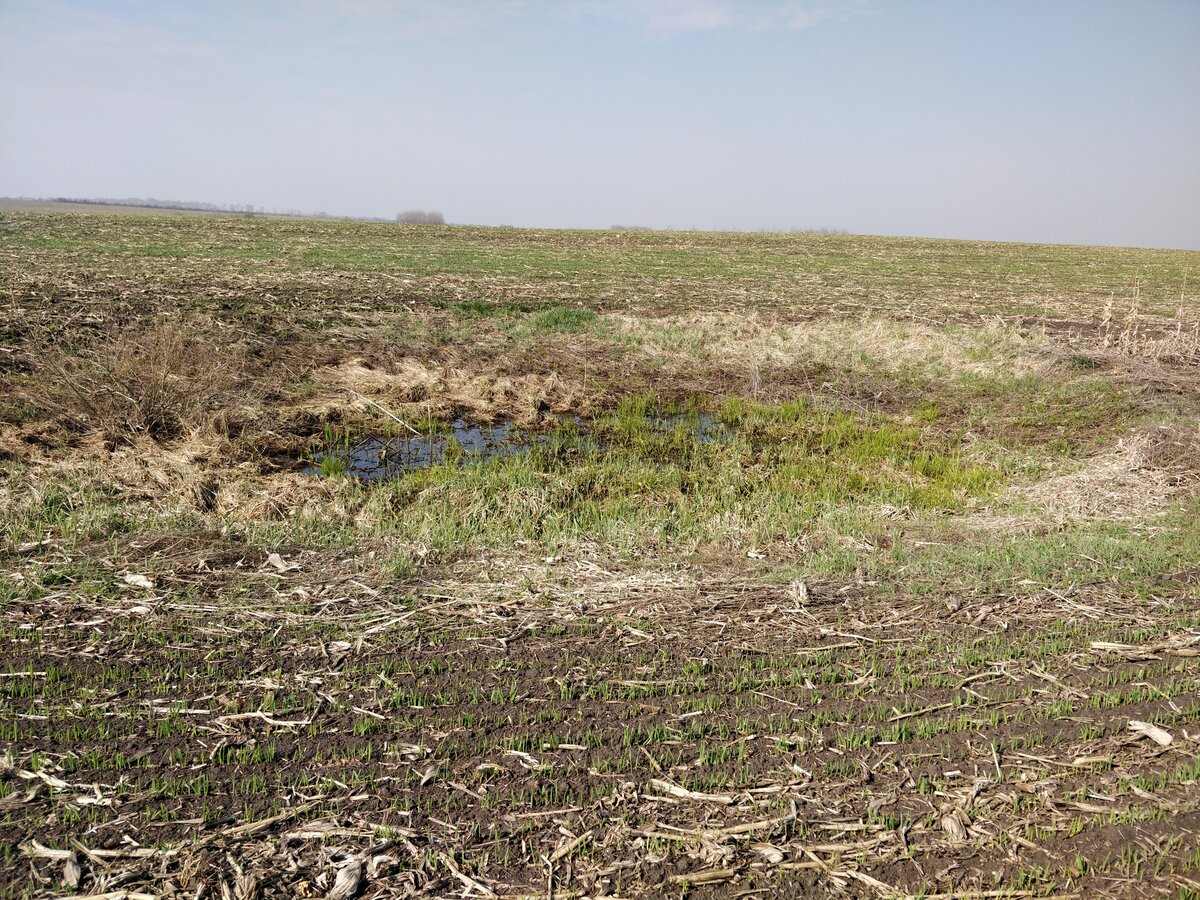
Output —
<point x="13" y="205"/>
<point x="790" y="565"/>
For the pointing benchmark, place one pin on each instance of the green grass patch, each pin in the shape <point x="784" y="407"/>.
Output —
<point x="563" y="318"/>
<point x="483" y="309"/>
<point x="1141" y="559"/>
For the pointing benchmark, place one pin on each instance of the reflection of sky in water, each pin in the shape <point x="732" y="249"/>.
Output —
<point x="388" y="457"/>
<point x="381" y="457"/>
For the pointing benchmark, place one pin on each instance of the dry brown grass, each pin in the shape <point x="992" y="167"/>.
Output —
<point x="160" y="381"/>
<point x="756" y="344"/>
<point x="1131" y="333"/>
<point x="1136" y="478"/>
<point x="480" y="390"/>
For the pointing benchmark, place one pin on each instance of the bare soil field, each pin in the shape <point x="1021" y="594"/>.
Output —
<point x="808" y="565"/>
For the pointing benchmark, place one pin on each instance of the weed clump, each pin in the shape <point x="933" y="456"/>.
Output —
<point x="158" y="381"/>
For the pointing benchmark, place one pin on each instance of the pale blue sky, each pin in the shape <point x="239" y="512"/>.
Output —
<point x="1050" y="120"/>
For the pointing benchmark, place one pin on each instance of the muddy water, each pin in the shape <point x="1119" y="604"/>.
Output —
<point x="385" y="456"/>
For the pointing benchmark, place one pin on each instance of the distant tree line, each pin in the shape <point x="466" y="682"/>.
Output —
<point x="152" y="203"/>
<point x="420" y="217"/>
<point x="794" y="230"/>
<point x="247" y="209"/>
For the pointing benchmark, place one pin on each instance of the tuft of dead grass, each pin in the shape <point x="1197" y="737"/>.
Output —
<point x="417" y="386"/>
<point x="1138" y="477"/>
<point x="158" y="381"/>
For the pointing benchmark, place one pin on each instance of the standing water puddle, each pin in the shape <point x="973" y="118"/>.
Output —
<point x="384" y="456"/>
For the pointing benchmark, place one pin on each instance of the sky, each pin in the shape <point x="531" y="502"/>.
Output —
<point x="1067" y="121"/>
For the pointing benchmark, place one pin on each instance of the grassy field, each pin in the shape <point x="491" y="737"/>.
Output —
<point x="831" y="565"/>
